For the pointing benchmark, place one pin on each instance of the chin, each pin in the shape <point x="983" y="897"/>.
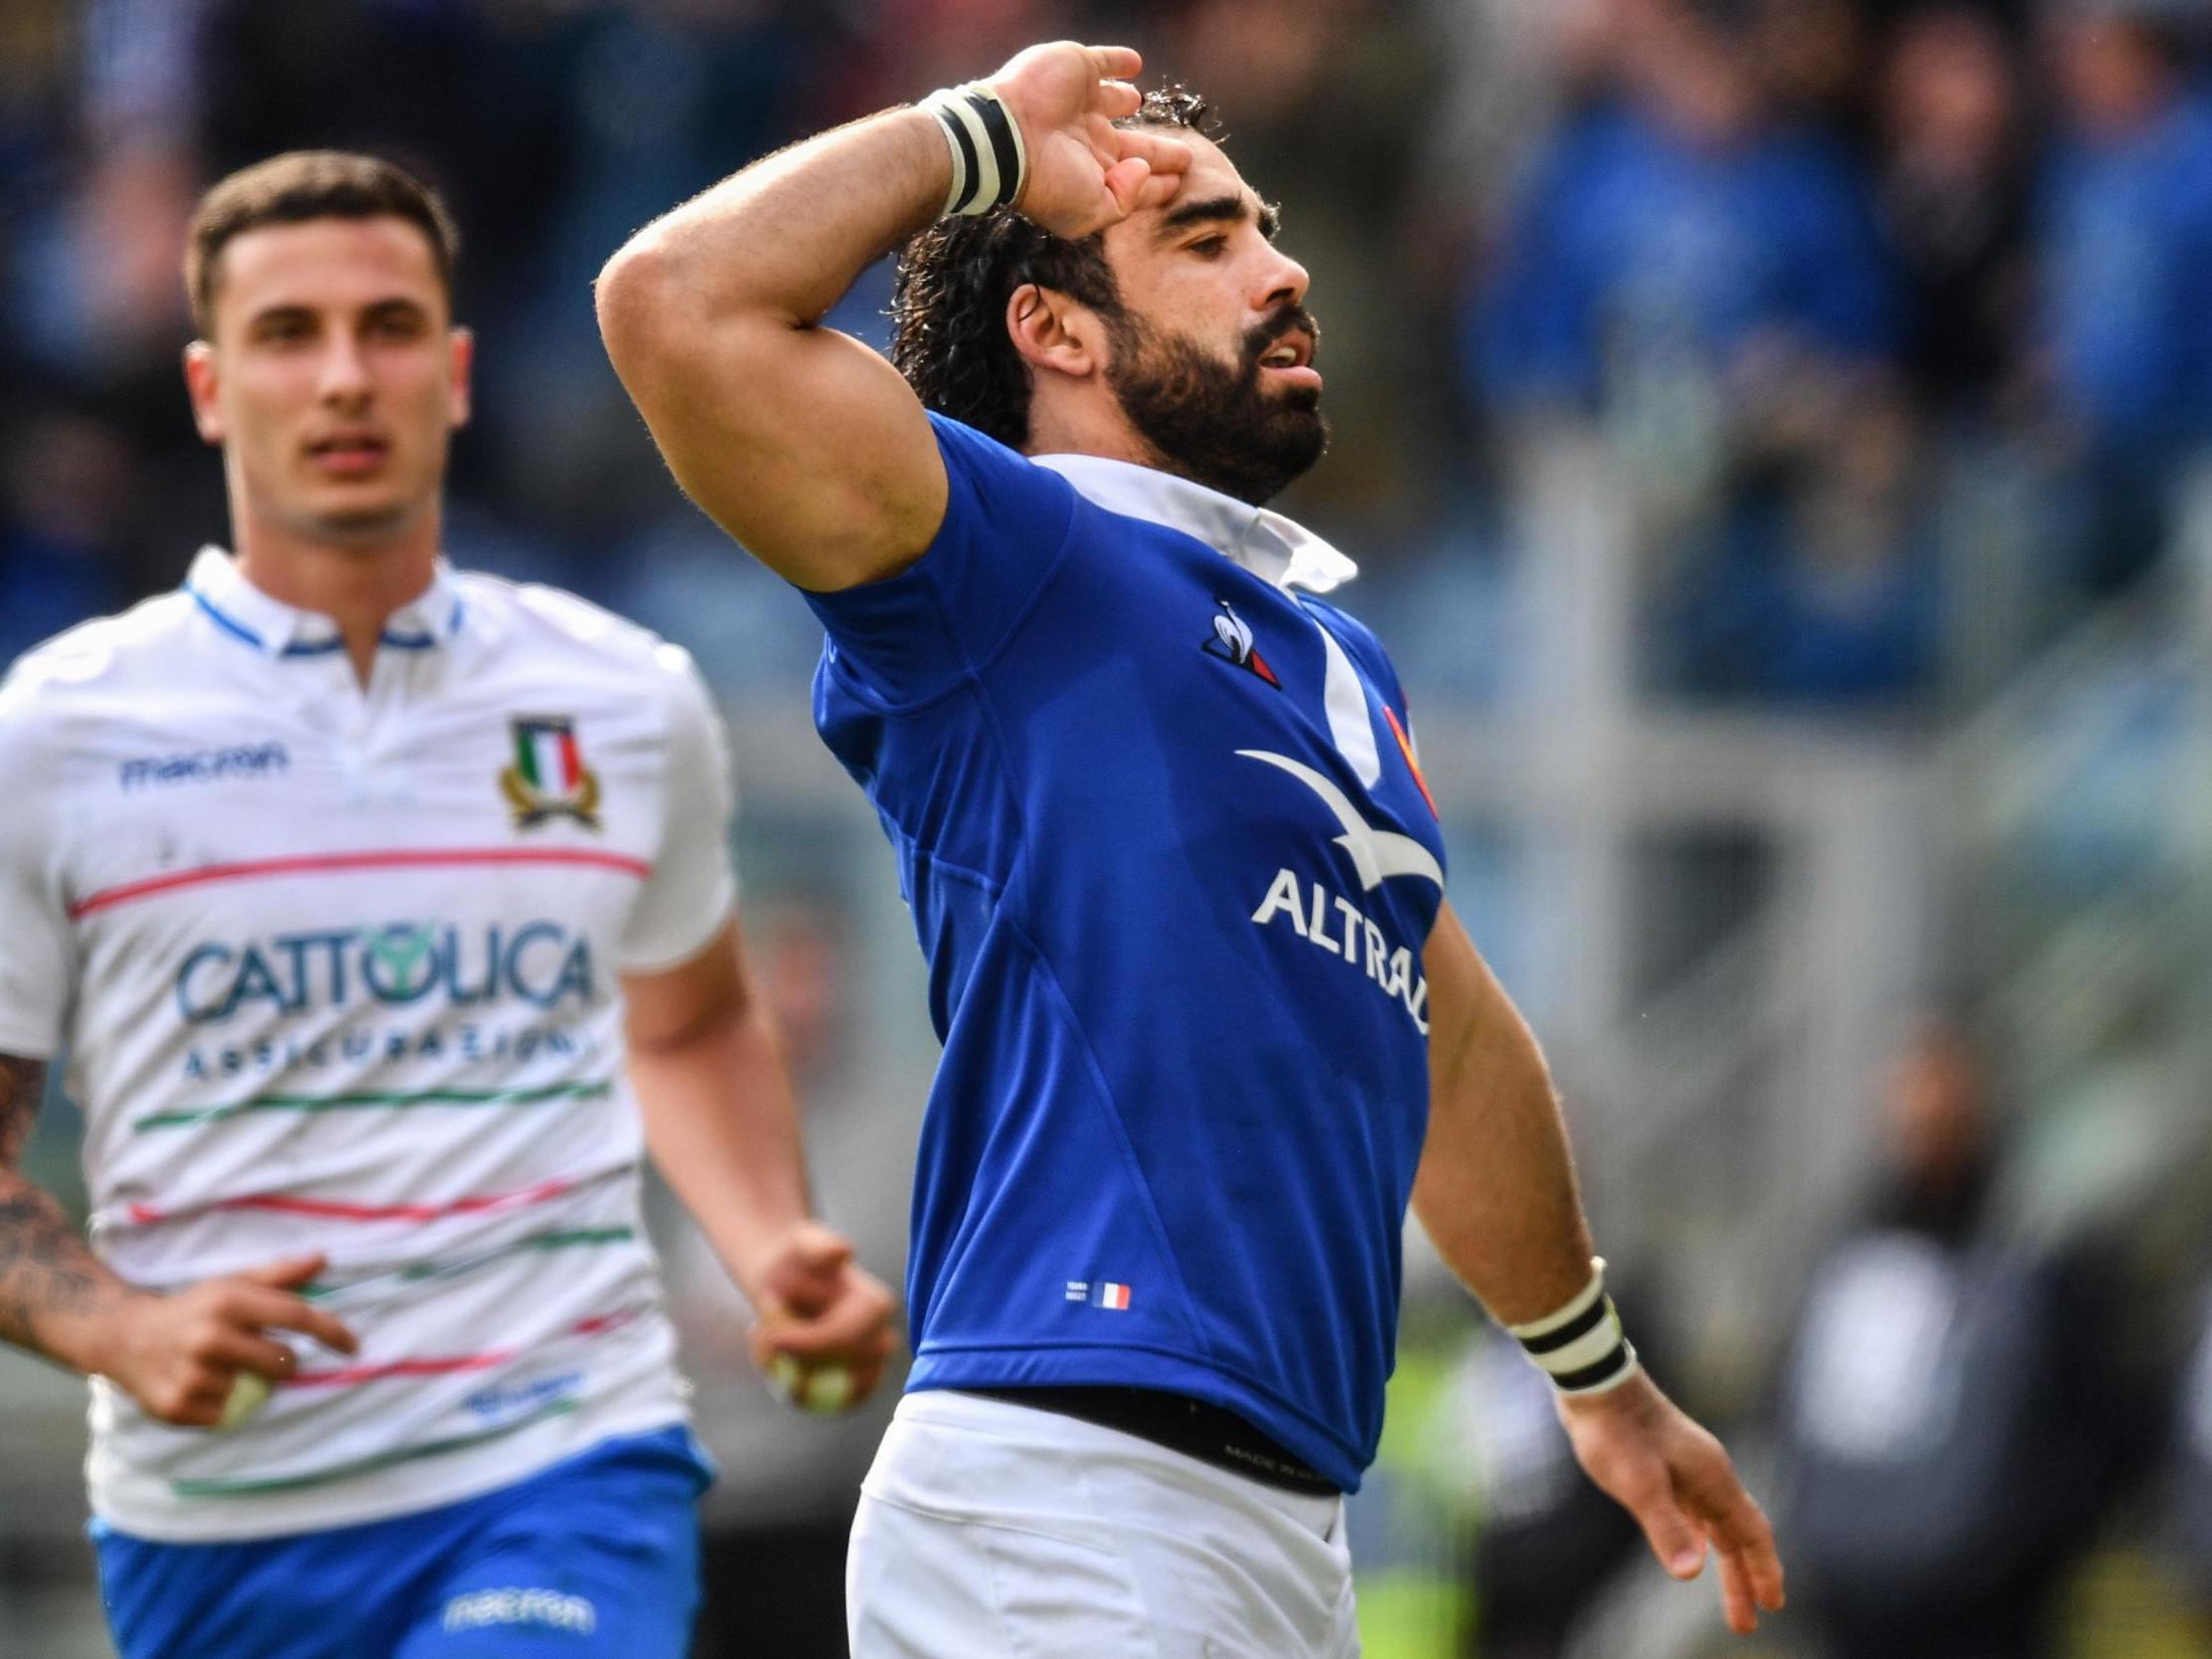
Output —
<point x="357" y="523"/>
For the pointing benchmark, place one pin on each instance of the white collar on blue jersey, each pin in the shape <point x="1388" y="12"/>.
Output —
<point x="276" y="629"/>
<point x="1272" y="547"/>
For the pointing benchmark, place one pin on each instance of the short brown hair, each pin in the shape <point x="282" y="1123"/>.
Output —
<point x="301" y="185"/>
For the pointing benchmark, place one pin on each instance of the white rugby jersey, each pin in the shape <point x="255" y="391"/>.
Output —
<point x="337" y="971"/>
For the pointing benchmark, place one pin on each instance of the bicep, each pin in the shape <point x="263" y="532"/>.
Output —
<point x="668" y="1007"/>
<point x="802" y="442"/>
<point x="1469" y="1009"/>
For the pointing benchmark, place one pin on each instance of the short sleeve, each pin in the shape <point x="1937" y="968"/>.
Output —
<point x="688" y="894"/>
<point x="38" y="943"/>
<point x="913" y="634"/>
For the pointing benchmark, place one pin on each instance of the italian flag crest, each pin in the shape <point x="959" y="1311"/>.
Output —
<point x="548" y="778"/>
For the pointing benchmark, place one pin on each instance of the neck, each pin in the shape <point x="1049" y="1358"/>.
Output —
<point x="356" y="584"/>
<point x="1084" y="427"/>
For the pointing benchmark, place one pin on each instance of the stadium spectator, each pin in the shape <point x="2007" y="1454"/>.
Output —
<point x="63" y="495"/>
<point x="1822" y="588"/>
<point x="1681" y="228"/>
<point x="1947" y="1414"/>
<point x="2126" y="260"/>
<point x="2187" y="1489"/>
<point x="1952" y="186"/>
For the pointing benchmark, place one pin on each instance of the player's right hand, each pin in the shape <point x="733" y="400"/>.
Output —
<point x="1084" y="173"/>
<point x="178" y="1353"/>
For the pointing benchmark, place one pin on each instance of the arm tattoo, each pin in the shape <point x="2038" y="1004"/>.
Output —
<point x="46" y="1270"/>
<point x="22" y="1081"/>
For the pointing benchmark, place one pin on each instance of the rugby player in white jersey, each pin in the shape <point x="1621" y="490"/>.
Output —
<point x="386" y="916"/>
<point x="1209" y="1024"/>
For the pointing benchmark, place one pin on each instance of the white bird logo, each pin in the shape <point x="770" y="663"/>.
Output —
<point x="1376" y="854"/>
<point x="1236" y="636"/>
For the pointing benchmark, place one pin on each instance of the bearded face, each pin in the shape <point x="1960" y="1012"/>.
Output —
<point x="1219" y="423"/>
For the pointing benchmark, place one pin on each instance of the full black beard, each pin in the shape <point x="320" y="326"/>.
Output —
<point x="1212" y="422"/>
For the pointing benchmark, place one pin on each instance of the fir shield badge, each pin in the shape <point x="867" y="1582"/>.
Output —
<point x="1232" y="643"/>
<point x="548" y="778"/>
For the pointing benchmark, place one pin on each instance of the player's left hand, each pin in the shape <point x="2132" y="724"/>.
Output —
<point x="1677" y="1481"/>
<point x="821" y="1315"/>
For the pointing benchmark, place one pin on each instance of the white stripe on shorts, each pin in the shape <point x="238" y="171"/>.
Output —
<point x="992" y="1531"/>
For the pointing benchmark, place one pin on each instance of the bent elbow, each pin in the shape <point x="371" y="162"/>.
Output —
<point x="635" y="299"/>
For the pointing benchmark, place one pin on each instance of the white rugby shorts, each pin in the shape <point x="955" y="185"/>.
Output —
<point x="993" y="1531"/>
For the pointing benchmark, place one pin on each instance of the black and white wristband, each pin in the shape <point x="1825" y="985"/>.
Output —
<point x="1581" y="1347"/>
<point x="989" y="160"/>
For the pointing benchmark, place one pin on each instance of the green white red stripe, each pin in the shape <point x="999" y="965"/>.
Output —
<point x="389" y="1101"/>
<point x="559" y="1406"/>
<point x="347" y="1376"/>
<point x="328" y="864"/>
<point x="331" y="1210"/>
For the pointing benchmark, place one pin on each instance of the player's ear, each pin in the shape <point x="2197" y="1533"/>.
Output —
<point x="1054" y="331"/>
<point x="461" y="342"/>
<point x="202" y="378"/>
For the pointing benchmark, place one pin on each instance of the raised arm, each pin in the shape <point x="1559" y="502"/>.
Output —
<point x="802" y="442"/>
<point x="1496" y="1193"/>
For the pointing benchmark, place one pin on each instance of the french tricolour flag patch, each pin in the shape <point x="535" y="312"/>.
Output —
<point x="1110" y="1295"/>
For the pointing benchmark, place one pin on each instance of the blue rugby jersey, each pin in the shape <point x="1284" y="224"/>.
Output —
<point x="1172" y="865"/>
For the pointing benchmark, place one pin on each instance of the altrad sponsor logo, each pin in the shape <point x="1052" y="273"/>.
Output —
<point x="1338" y="925"/>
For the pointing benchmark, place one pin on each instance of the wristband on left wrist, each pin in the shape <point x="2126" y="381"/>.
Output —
<point x="1581" y="1347"/>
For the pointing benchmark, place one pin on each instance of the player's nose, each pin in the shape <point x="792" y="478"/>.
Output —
<point x="344" y="377"/>
<point x="1283" y="281"/>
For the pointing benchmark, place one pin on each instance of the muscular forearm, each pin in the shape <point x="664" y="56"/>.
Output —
<point x="54" y="1292"/>
<point x="1496" y="1186"/>
<point x="723" y="1130"/>
<point x="784" y="239"/>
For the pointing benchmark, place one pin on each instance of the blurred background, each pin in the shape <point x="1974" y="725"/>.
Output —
<point x="1776" y="437"/>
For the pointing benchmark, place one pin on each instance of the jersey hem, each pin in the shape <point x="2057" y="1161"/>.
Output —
<point x="1133" y="1366"/>
<point x="386" y="1494"/>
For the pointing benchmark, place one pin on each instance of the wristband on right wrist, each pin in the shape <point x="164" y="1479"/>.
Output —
<point x="1582" y="1347"/>
<point x="989" y="161"/>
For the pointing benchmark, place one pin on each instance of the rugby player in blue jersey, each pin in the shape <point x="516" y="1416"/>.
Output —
<point x="1208" y="1025"/>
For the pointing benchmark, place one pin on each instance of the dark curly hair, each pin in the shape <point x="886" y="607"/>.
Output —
<point x="949" y="300"/>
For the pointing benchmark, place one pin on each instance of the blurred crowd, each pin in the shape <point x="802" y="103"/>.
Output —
<point x="1833" y="279"/>
<point x="1891" y="320"/>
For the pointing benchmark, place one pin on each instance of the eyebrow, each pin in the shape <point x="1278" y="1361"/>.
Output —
<point x="1220" y="210"/>
<point x="378" y="311"/>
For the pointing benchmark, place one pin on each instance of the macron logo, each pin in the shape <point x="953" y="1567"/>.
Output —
<point x="485" y="1609"/>
<point x="1376" y="854"/>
